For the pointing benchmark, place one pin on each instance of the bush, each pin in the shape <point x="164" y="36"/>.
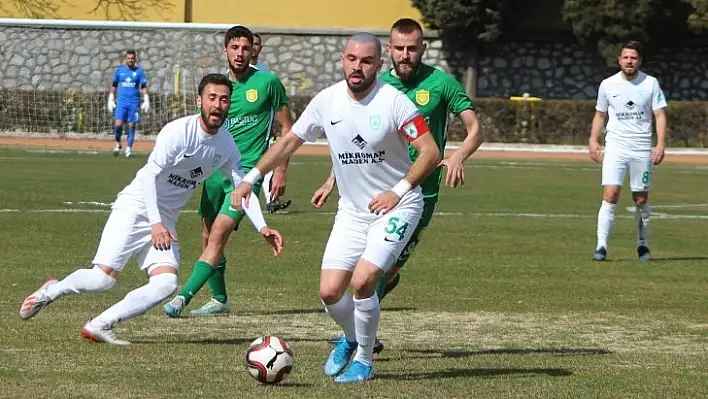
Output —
<point x="503" y="121"/>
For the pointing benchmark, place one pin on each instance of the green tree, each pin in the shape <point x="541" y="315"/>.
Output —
<point x="698" y="19"/>
<point x="465" y="26"/>
<point x="609" y="23"/>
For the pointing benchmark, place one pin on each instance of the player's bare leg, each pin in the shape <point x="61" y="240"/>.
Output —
<point x="118" y="132"/>
<point x="205" y="267"/>
<point x="98" y="278"/>
<point x="606" y="220"/>
<point x="367" y="312"/>
<point x="162" y="282"/>
<point x="642" y="216"/>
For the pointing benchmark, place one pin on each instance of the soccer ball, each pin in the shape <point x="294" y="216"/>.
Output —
<point x="269" y="359"/>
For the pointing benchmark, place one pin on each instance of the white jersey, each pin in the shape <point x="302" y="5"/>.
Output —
<point x="630" y="106"/>
<point x="368" y="140"/>
<point x="183" y="157"/>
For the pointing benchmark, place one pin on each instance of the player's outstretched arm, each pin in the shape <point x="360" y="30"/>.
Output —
<point x="455" y="170"/>
<point x="279" y="152"/>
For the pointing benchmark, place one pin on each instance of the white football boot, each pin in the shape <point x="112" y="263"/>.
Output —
<point x="37" y="301"/>
<point x="101" y="335"/>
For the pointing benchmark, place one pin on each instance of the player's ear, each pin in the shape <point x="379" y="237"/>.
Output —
<point x="388" y="47"/>
<point x="341" y="60"/>
<point x="199" y="101"/>
<point x="379" y="66"/>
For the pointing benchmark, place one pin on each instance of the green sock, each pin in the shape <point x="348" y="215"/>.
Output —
<point x="381" y="287"/>
<point x="200" y="274"/>
<point x="217" y="282"/>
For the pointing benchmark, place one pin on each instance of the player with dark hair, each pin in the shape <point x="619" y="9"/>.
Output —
<point x="129" y="80"/>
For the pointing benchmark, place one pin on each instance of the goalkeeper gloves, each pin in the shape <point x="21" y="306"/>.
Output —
<point x="145" y="107"/>
<point x="111" y="102"/>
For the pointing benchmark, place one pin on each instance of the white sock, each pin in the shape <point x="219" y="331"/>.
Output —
<point x="366" y="319"/>
<point x="82" y="280"/>
<point x="138" y="301"/>
<point x="266" y="186"/>
<point x="605" y="221"/>
<point x="342" y="313"/>
<point x="642" y="215"/>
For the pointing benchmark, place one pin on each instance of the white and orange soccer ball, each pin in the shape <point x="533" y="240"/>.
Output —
<point x="269" y="359"/>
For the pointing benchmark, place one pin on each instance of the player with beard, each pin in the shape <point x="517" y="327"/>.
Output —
<point x="630" y="97"/>
<point x="257" y="99"/>
<point x="436" y="94"/>
<point x="143" y="217"/>
<point x="369" y="126"/>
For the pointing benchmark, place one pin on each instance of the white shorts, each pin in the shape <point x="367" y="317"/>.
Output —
<point x="126" y="234"/>
<point x="377" y="239"/>
<point x="616" y="163"/>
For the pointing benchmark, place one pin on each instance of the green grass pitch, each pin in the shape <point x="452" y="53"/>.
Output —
<point x="500" y="300"/>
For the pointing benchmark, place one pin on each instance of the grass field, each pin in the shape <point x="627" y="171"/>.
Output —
<point x="500" y="300"/>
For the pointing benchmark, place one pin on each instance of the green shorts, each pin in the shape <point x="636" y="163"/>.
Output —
<point x="428" y="210"/>
<point x="215" y="197"/>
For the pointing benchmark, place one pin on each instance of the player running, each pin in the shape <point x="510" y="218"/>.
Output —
<point x="368" y="125"/>
<point x="436" y="94"/>
<point x="258" y="97"/>
<point x="129" y="80"/>
<point x="630" y="97"/>
<point x="143" y="217"/>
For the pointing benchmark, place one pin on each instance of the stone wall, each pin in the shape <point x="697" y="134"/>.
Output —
<point x="84" y="60"/>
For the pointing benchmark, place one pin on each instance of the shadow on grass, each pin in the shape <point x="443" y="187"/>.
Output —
<point x="312" y="311"/>
<point x="224" y="341"/>
<point x="667" y="259"/>
<point x="508" y="351"/>
<point x="475" y="372"/>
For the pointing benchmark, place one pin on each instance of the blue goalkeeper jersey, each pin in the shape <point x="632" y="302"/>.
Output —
<point x="129" y="81"/>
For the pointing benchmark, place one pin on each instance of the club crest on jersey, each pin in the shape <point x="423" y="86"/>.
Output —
<point x="251" y="95"/>
<point x="216" y="160"/>
<point x="374" y="121"/>
<point x="422" y="97"/>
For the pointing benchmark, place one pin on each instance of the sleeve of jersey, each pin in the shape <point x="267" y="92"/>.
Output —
<point x="277" y="93"/>
<point x="162" y="156"/>
<point x="308" y="126"/>
<point x="601" y="104"/>
<point x="658" y="98"/>
<point x="115" y="77"/>
<point x="457" y="99"/>
<point x="233" y="168"/>
<point x="144" y="79"/>
<point x="414" y="127"/>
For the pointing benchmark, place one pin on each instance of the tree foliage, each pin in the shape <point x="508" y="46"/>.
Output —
<point x="698" y="19"/>
<point x="609" y="23"/>
<point x="464" y="25"/>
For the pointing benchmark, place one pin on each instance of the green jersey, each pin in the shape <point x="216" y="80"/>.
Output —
<point x="436" y="94"/>
<point x="256" y="97"/>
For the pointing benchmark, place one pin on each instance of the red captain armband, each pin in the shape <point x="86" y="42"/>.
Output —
<point x="414" y="128"/>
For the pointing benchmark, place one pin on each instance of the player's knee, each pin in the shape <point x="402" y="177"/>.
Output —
<point x="640" y="198"/>
<point x="104" y="280"/>
<point x="364" y="285"/>
<point x="331" y="294"/>
<point x="611" y="195"/>
<point x="164" y="284"/>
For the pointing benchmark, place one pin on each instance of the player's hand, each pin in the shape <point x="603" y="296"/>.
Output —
<point x="455" y="172"/>
<point x="595" y="152"/>
<point x="111" y="104"/>
<point x="657" y="155"/>
<point x="274" y="239"/>
<point x="241" y="195"/>
<point x="320" y="196"/>
<point x="161" y="237"/>
<point x="277" y="184"/>
<point x="145" y="106"/>
<point x="384" y="202"/>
